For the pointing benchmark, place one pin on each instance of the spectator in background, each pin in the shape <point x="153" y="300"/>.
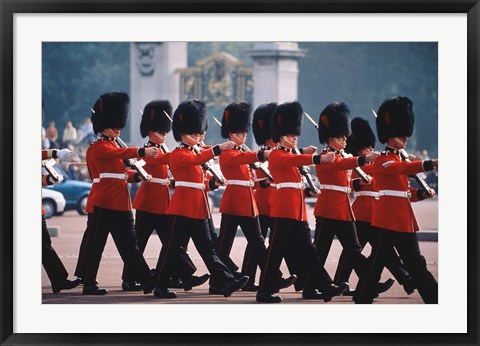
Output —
<point x="45" y="141"/>
<point x="69" y="134"/>
<point x="87" y="131"/>
<point x="52" y="134"/>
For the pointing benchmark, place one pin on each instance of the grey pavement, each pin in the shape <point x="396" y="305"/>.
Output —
<point x="70" y="227"/>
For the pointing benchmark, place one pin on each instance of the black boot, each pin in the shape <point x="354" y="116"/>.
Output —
<point x="268" y="297"/>
<point x="94" y="290"/>
<point x="65" y="285"/>
<point x="148" y="286"/>
<point x="131" y="286"/>
<point x="163" y="293"/>
<point x="311" y="293"/>
<point x="284" y="283"/>
<point x="333" y="291"/>
<point x="250" y="288"/>
<point x="194" y="281"/>
<point x="234" y="285"/>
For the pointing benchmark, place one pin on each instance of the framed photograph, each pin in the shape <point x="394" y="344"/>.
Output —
<point x="453" y="26"/>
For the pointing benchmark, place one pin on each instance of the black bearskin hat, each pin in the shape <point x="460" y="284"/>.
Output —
<point x="362" y="136"/>
<point x="262" y="119"/>
<point x="236" y="118"/>
<point x="154" y="118"/>
<point x="188" y="118"/>
<point x="334" y="121"/>
<point x="286" y="119"/>
<point x="110" y="111"/>
<point x="395" y="118"/>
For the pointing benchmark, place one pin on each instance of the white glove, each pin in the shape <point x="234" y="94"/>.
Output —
<point x="64" y="154"/>
<point x="60" y="179"/>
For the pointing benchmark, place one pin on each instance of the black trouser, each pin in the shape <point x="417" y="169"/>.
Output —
<point x="250" y="227"/>
<point x="181" y="230"/>
<point x="51" y="262"/>
<point x="407" y="247"/>
<point x="326" y="229"/>
<point x="85" y="245"/>
<point x="145" y="223"/>
<point x="249" y="264"/>
<point x="120" y="225"/>
<point x="367" y="234"/>
<point x="292" y="238"/>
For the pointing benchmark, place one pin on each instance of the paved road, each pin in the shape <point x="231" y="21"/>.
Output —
<point x="72" y="225"/>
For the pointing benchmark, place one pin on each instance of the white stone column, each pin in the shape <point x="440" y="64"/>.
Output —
<point x="153" y="76"/>
<point x="275" y="75"/>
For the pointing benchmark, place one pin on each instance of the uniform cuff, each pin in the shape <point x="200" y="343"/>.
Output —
<point x="317" y="160"/>
<point x="357" y="186"/>
<point x="216" y="150"/>
<point x="361" y="160"/>
<point x="211" y="184"/>
<point x="263" y="183"/>
<point x="428" y="165"/>
<point x="261" y="156"/>
<point x="141" y="152"/>
<point x="420" y="194"/>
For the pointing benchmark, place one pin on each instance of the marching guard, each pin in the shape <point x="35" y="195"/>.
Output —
<point x="291" y="233"/>
<point x="111" y="201"/>
<point x="53" y="265"/>
<point x="362" y="142"/>
<point x="238" y="206"/>
<point x="152" y="198"/>
<point x="189" y="206"/>
<point x="393" y="216"/>
<point x="263" y="194"/>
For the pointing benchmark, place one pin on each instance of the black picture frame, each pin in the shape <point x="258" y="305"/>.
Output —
<point x="10" y="7"/>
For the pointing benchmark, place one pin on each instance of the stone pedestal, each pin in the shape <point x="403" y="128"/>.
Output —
<point x="275" y="73"/>
<point x="153" y="73"/>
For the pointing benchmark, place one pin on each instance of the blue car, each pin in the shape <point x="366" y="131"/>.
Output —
<point x="75" y="191"/>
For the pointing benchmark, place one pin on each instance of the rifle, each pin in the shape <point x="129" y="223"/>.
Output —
<point x="404" y="156"/>
<point x="305" y="171"/>
<point x="343" y="154"/>
<point x="211" y="166"/>
<point x="256" y="165"/>
<point x="133" y="163"/>
<point x="52" y="172"/>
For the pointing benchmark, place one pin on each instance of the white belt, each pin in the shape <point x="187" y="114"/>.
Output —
<point x="336" y="188"/>
<point x="198" y="186"/>
<point x="273" y="185"/>
<point x="95" y="180"/>
<point x="395" y="193"/>
<point x="122" y="176"/>
<point x="366" y="193"/>
<point x="299" y="186"/>
<point x="247" y="183"/>
<point x="160" y="181"/>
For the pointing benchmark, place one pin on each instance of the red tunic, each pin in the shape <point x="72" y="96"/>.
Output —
<point x="153" y="197"/>
<point x="395" y="213"/>
<point x="187" y="201"/>
<point x="263" y="197"/>
<point x="92" y="171"/>
<point x="334" y="204"/>
<point x="363" y="205"/>
<point x="288" y="202"/>
<point x="238" y="200"/>
<point x="107" y="157"/>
